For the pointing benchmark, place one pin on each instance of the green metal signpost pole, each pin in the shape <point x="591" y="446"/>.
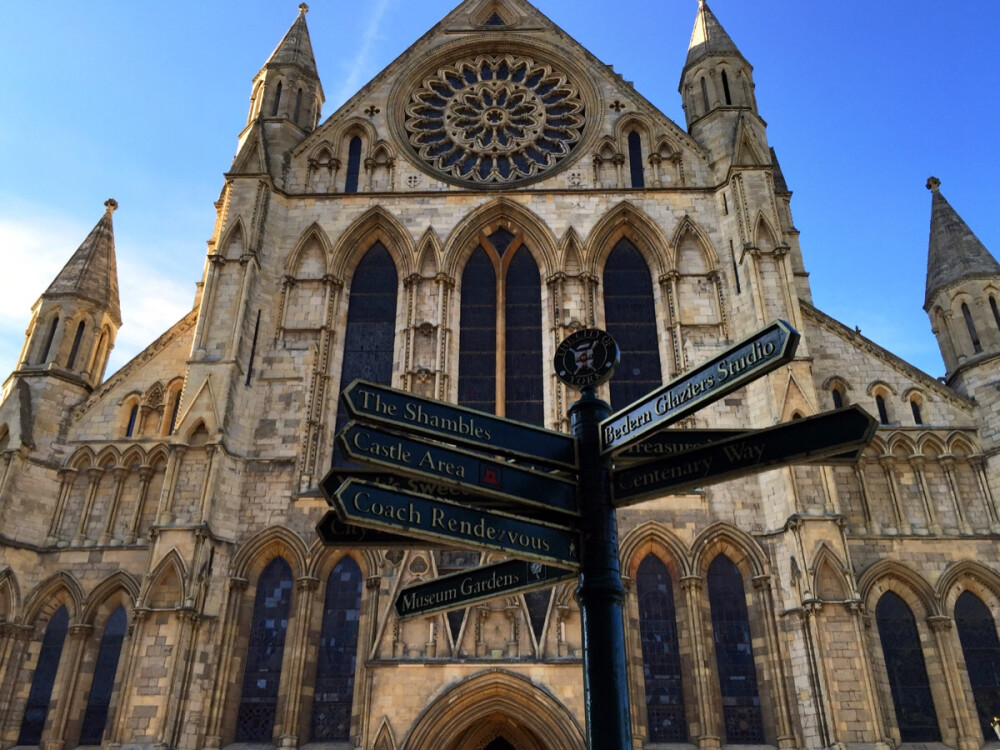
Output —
<point x="601" y="594"/>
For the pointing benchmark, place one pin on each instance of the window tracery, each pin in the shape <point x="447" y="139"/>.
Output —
<point x="494" y="120"/>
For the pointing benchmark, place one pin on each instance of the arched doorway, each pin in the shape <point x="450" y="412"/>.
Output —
<point x="496" y="710"/>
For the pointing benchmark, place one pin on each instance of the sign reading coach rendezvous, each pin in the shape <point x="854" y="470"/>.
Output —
<point x="766" y="350"/>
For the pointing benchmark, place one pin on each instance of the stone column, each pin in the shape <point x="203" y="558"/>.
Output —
<point x="782" y="709"/>
<point x="888" y="463"/>
<point x="867" y="646"/>
<point x="211" y="453"/>
<point x="668" y="289"/>
<point x="14" y="640"/>
<point x="119" y="474"/>
<point x="229" y="627"/>
<point x="708" y="719"/>
<point x="979" y="465"/>
<point x="119" y="704"/>
<point x="208" y="296"/>
<point x="68" y="477"/>
<point x="956" y="497"/>
<point x="933" y="523"/>
<point x="619" y="161"/>
<point x="965" y="720"/>
<point x="165" y="511"/>
<point x="94" y="475"/>
<point x="145" y="474"/>
<point x="295" y="659"/>
<point x="870" y="523"/>
<point x="69" y="672"/>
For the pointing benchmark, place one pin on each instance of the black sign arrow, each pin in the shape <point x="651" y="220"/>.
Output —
<point x="766" y="350"/>
<point x="335" y="532"/>
<point x="457" y="468"/>
<point x="370" y="402"/>
<point x="422" y="517"/>
<point x="830" y="433"/>
<point x="461" y="589"/>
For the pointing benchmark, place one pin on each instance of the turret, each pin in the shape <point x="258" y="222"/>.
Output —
<point x="962" y="294"/>
<point x="75" y="321"/>
<point x="286" y="95"/>
<point x="718" y="96"/>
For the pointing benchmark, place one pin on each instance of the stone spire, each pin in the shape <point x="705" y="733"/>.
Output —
<point x="709" y="38"/>
<point x="296" y="48"/>
<point x="91" y="273"/>
<point x="954" y="253"/>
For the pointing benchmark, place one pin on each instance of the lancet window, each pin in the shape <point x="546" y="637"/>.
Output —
<point x="734" y="654"/>
<point x="978" y="633"/>
<point x="99" y="701"/>
<point x="44" y="679"/>
<point x="500" y="343"/>
<point x="907" y="672"/>
<point x="259" y="697"/>
<point x="661" y="662"/>
<point x="630" y="317"/>
<point x="338" y="649"/>
<point x="353" y="165"/>
<point x="635" y="159"/>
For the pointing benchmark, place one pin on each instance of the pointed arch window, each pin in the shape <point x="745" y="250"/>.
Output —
<point x="661" y="663"/>
<point x="500" y="366"/>
<point x="635" y="159"/>
<point x="704" y="94"/>
<point x="970" y="324"/>
<point x="353" y="165"/>
<point x="133" y="415"/>
<point x="48" y="340"/>
<point x="76" y="345"/>
<point x="918" y="418"/>
<point x="630" y="317"/>
<point x="734" y="653"/>
<point x="838" y="398"/>
<point x="277" y="100"/>
<point x="978" y="634"/>
<point x="725" y="88"/>
<point x="369" y="337"/>
<point x="40" y="694"/>
<point x="338" y="651"/>
<point x="883" y="412"/>
<point x="996" y="312"/>
<point x="99" y="702"/>
<point x="298" y="106"/>
<point x="259" y="697"/>
<point x="904" y="664"/>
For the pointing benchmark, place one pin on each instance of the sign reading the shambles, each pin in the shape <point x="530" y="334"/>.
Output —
<point x="763" y="352"/>
<point x="826" y="434"/>
<point x="479" y="584"/>
<point x="370" y="402"/>
<point x="422" y="517"/>
<point x="459" y="468"/>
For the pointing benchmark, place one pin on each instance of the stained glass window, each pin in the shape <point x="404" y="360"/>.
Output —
<point x="259" y="698"/>
<point x="978" y="633"/>
<point x="635" y="160"/>
<point x="734" y="653"/>
<point x="338" y="652"/>
<point x="661" y="663"/>
<point x="37" y="707"/>
<point x="353" y="165"/>
<point x="630" y="318"/>
<point x="369" y="337"/>
<point x="99" y="702"/>
<point x="501" y="268"/>
<point x="904" y="663"/>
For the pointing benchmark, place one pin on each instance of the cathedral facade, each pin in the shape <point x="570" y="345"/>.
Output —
<point x="496" y="188"/>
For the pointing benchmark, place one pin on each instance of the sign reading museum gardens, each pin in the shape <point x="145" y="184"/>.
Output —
<point x="437" y="481"/>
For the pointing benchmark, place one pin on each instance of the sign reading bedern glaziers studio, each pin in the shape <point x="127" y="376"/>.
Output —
<point x="766" y="350"/>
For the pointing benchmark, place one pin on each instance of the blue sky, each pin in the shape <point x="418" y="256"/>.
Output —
<point x="143" y="102"/>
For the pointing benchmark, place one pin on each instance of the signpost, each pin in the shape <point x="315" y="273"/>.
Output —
<point x="752" y="358"/>
<point x="437" y="481"/>
<point x="747" y="453"/>
<point x="423" y="517"/>
<point x="479" y="584"/>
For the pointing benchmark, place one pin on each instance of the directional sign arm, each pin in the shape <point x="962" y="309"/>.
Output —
<point x="830" y="433"/>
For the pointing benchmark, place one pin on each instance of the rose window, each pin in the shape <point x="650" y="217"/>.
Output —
<point x="495" y="120"/>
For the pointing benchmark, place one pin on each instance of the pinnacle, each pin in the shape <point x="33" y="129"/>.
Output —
<point x="295" y="48"/>
<point x="708" y="36"/>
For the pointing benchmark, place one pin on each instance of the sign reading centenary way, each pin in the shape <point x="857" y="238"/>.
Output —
<point x="449" y="423"/>
<point x="479" y="584"/>
<point x="748" y="453"/>
<point x="466" y="470"/>
<point x="758" y="355"/>
<point x="425" y="489"/>
<point x="423" y="517"/>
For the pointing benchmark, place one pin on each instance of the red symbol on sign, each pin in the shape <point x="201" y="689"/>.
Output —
<point x="584" y="357"/>
<point x="490" y="475"/>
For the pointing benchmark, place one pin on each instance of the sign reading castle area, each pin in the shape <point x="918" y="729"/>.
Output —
<point x="437" y="481"/>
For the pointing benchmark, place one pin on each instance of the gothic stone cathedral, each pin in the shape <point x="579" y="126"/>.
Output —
<point x="494" y="189"/>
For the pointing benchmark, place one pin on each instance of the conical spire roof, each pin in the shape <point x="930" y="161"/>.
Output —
<point x="708" y="37"/>
<point x="92" y="273"/>
<point x="295" y="48"/>
<point x="954" y="252"/>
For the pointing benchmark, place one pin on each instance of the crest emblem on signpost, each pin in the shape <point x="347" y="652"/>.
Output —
<point x="586" y="358"/>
